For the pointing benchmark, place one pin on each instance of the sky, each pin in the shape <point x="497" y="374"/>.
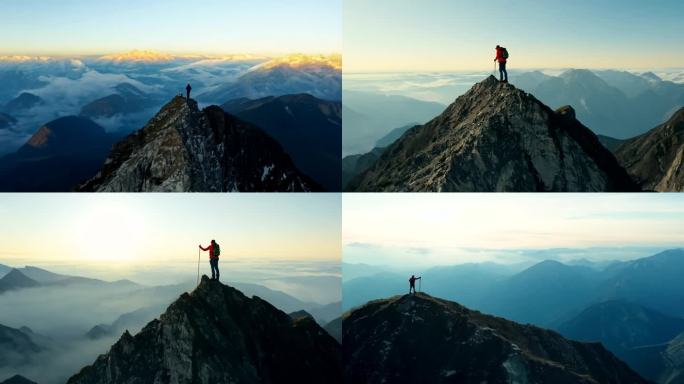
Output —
<point x="86" y="27"/>
<point x="120" y="230"/>
<point x="441" y="229"/>
<point x="444" y="35"/>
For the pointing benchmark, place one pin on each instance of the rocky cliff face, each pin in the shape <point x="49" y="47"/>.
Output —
<point x="217" y="335"/>
<point x="673" y="357"/>
<point x="421" y="339"/>
<point x="309" y="129"/>
<point x="656" y="158"/>
<point x="497" y="138"/>
<point x="183" y="149"/>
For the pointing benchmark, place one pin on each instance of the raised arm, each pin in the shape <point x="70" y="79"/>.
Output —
<point x="204" y="249"/>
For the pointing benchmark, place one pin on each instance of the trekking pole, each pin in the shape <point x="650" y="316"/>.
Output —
<point x="198" y="263"/>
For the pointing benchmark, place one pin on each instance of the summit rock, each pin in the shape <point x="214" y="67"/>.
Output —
<point x="218" y="335"/>
<point x="185" y="149"/>
<point x="496" y="137"/>
<point x="419" y="338"/>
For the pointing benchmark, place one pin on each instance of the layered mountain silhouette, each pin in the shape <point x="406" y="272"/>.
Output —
<point x="614" y="103"/>
<point x="60" y="155"/>
<point x="354" y="165"/>
<point x="308" y="128"/>
<point x="656" y="158"/>
<point x="419" y="338"/>
<point x="17" y="346"/>
<point x="497" y="138"/>
<point x="217" y="335"/>
<point x="6" y="121"/>
<point x="127" y="99"/>
<point x="184" y="149"/>
<point x="318" y="75"/>
<point x="18" y="379"/>
<point x="22" y="103"/>
<point x="16" y="280"/>
<point x="369" y="117"/>
<point x="636" y="334"/>
<point x="620" y="324"/>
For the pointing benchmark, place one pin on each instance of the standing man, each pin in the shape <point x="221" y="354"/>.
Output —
<point x="412" y="284"/>
<point x="214" y="252"/>
<point x="188" y="88"/>
<point x="502" y="57"/>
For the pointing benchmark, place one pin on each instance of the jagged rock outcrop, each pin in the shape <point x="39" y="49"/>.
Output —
<point x="183" y="149"/>
<point x="497" y="138"/>
<point x="422" y="339"/>
<point x="217" y="335"/>
<point x="656" y="158"/>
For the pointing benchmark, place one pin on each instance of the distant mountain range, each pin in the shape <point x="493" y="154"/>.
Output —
<point x="17" y="346"/>
<point x="60" y="155"/>
<point x="618" y="104"/>
<point x="32" y="277"/>
<point x="320" y="76"/>
<point x="22" y="103"/>
<point x="369" y="117"/>
<point x="420" y="338"/>
<point x="216" y="334"/>
<point x="16" y="280"/>
<point x="127" y="99"/>
<point x="631" y="307"/>
<point x="496" y="138"/>
<point x="547" y="293"/>
<point x="308" y="128"/>
<point x="120" y="91"/>
<point x="649" y="341"/>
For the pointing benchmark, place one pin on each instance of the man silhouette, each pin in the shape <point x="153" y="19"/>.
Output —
<point x="188" y="88"/>
<point x="412" y="284"/>
<point x="214" y="252"/>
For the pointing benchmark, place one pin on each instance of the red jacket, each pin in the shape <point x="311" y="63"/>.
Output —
<point x="210" y="248"/>
<point x="499" y="55"/>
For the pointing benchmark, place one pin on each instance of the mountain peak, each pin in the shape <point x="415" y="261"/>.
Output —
<point x="654" y="158"/>
<point x="66" y="130"/>
<point x="15" y="279"/>
<point x="18" y="379"/>
<point x="215" y="334"/>
<point x="302" y="61"/>
<point x="138" y="55"/>
<point x="183" y="148"/>
<point x="420" y="338"/>
<point x="497" y="137"/>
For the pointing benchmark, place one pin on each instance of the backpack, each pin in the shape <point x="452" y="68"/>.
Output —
<point x="505" y="53"/>
<point x="217" y="250"/>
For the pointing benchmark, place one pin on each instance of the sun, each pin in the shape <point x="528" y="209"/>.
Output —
<point x="110" y="232"/>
